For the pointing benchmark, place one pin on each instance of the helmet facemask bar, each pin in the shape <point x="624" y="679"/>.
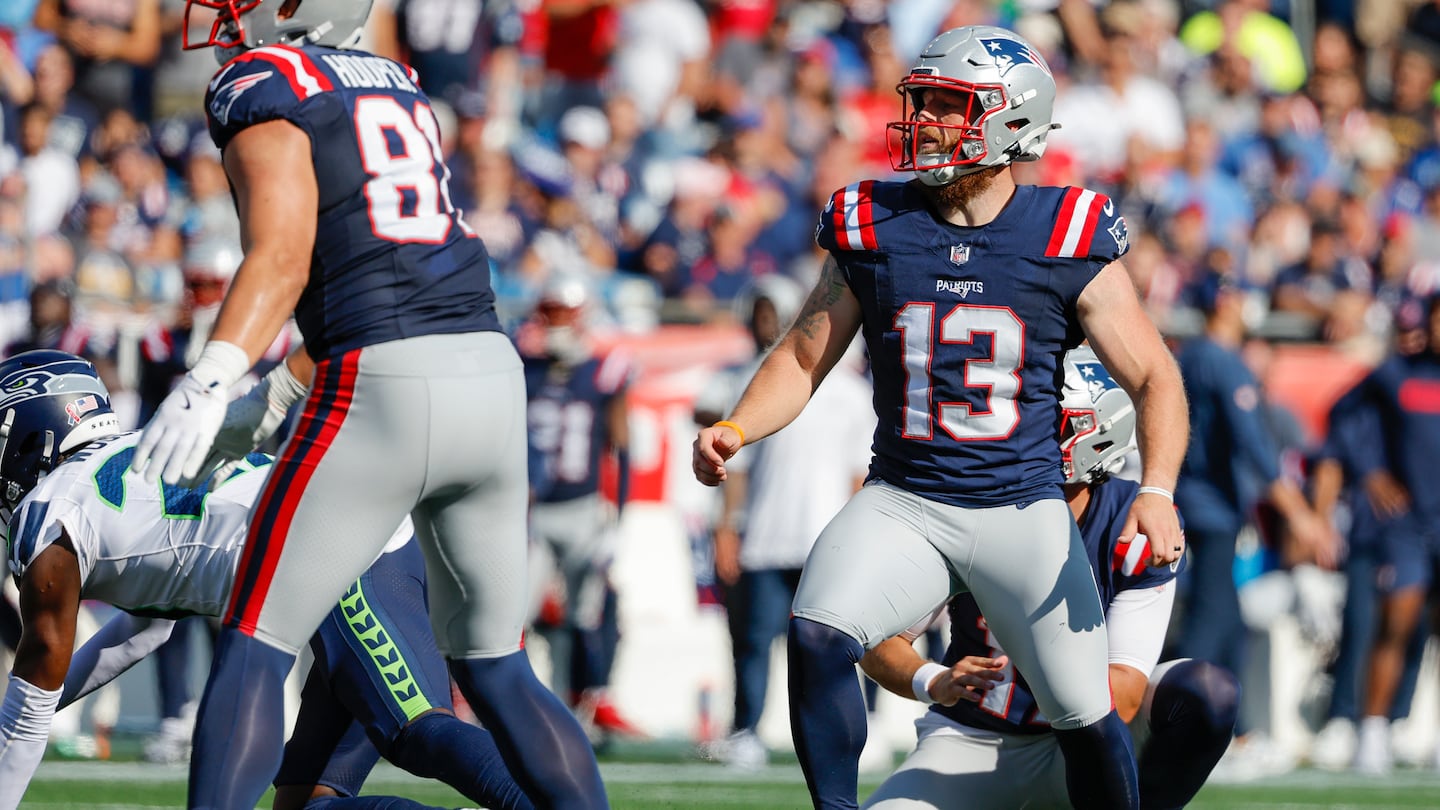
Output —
<point x="228" y="29"/>
<point x="1075" y="424"/>
<point x="980" y="102"/>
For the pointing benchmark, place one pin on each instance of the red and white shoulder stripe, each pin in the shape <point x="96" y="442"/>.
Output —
<point x="1075" y="225"/>
<point x="854" y="217"/>
<point x="305" y="77"/>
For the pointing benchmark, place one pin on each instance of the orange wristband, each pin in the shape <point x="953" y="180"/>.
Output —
<point x="732" y="426"/>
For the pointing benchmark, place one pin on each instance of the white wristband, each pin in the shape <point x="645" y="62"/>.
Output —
<point x="1161" y="491"/>
<point x="924" y="676"/>
<point x="285" y="388"/>
<point x="221" y="364"/>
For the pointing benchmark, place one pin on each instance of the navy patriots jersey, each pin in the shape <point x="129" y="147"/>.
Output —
<point x="1353" y="439"/>
<point x="1009" y="707"/>
<point x="1230" y="443"/>
<point x="965" y="328"/>
<point x="392" y="258"/>
<point x="568" y="422"/>
<point x="1405" y="391"/>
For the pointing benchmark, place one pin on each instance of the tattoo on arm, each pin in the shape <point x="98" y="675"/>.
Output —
<point x="828" y="290"/>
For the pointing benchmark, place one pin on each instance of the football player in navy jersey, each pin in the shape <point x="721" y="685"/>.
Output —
<point x="336" y="167"/>
<point x="984" y="737"/>
<point x="577" y="418"/>
<point x="967" y="289"/>
<point x="1404" y="394"/>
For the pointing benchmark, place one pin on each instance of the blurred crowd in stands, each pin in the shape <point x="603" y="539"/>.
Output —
<point x="672" y="151"/>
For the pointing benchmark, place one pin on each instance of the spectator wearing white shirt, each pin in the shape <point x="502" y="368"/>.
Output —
<point x="52" y="178"/>
<point x="1099" y="118"/>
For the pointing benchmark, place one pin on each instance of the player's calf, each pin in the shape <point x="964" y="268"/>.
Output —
<point x="241" y="724"/>
<point x="827" y="711"/>
<point x="440" y="746"/>
<point x="541" y="741"/>
<point x="1191" y="707"/>
<point x="1100" y="765"/>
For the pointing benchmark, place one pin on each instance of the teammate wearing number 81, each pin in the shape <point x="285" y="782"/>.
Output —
<point x="417" y="404"/>
<point x="967" y="288"/>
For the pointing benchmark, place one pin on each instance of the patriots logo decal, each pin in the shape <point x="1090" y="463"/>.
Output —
<point x="226" y="96"/>
<point x="1008" y="53"/>
<point x="1097" y="379"/>
<point x="1120" y="232"/>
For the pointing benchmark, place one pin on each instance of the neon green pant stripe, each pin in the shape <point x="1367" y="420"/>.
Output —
<point x="376" y="641"/>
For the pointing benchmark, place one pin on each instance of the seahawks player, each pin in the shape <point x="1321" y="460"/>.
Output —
<point x="984" y="737"/>
<point x="83" y="527"/>
<point x="967" y="289"/>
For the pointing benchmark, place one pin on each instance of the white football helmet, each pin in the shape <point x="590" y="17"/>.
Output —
<point x="1097" y="420"/>
<point x="240" y="25"/>
<point x="1009" y="94"/>
<point x="563" y="309"/>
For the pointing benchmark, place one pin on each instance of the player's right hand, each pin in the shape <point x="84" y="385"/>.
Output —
<point x="713" y="447"/>
<point x="177" y="440"/>
<point x="969" y="679"/>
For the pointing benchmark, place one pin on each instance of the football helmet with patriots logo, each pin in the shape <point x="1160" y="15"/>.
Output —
<point x="1005" y="92"/>
<point x="239" y="25"/>
<point x="1097" y="420"/>
<point x="51" y="403"/>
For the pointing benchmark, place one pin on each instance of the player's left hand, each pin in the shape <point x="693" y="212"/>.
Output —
<point x="178" y="438"/>
<point x="1155" y="516"/>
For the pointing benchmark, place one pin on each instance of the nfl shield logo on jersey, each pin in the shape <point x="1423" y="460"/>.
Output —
<point x="959" y="254"/>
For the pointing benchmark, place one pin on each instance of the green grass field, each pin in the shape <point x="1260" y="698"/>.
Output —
<point x="702" y="786"/>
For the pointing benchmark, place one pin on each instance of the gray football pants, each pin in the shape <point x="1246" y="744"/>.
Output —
<point x="890" y="557"/>
<point x="433" y="427"/>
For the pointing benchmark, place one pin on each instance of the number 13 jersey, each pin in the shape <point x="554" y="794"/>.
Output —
<point x="965" y="327"/>
<point x="392" y="259"/>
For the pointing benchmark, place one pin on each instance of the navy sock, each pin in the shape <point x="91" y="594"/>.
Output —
<point x="240" y="729"/>
<point x="827" y="711"/>
<point x="441" y="746"/>
<point x="1192" y="717"/>
<point x="1100" y="765"/>
<point x="366" y="803"/>
<point x="541" y="741"/>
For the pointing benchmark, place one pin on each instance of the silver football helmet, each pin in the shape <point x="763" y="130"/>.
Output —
<point x="1097" y="420"/>
<point x="240" y="25"/>
<point x="1007" y="94"/>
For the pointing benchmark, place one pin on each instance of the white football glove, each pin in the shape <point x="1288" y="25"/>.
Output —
<point x="252" y="419"/>
<point x="177" y="440"/>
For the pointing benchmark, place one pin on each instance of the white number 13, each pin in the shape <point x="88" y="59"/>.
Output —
<point x="998" y="375"/>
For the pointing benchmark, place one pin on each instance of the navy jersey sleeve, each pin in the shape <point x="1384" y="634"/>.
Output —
<point x="1352" y="435"/>
<point x="264" y="84"/>
<point x="1239" y="398"/>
